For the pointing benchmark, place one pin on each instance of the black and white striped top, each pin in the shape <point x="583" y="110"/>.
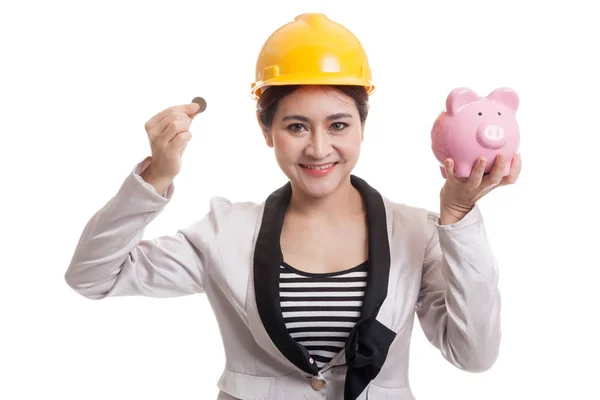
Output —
<point x="320" y="309"/>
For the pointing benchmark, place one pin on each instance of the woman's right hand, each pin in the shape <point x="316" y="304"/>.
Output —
<point x="168" y="132"/>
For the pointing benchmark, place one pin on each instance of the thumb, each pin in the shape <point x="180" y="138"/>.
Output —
<point x="192" y="109"/>
<point x="197" y="106"/>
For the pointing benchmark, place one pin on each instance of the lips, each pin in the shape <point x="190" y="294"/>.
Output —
<point x="318" y="170"/>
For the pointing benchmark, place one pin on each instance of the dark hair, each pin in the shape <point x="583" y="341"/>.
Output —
<point x="270" y="98"/>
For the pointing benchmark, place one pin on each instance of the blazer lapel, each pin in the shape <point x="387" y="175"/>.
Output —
<point x="267" y="260"/>
<point x="368" y="343"/>
<point x="370" y="339"/>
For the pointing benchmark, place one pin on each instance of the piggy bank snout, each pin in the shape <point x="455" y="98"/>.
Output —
<point x="491" y="136"/>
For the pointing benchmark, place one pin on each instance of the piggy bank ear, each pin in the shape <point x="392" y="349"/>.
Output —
<point x="459" y="98"/>
<point x="505" y="96"/>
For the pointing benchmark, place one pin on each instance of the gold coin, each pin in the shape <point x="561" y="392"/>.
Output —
<point x="201" y="102"/>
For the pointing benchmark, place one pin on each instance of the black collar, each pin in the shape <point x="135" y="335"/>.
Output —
<point x="369" y="340"/>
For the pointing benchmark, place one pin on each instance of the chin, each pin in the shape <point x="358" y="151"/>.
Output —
<point x="317" y="190"/>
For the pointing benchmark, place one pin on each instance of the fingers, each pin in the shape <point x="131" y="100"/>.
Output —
<point x="478" y="176"/>
<point x="190" y="109"/>
<point x="168" y="123"/>
<point x="497" y="172"/>
<point x="515" y="171"/>
<point x="157" y="124"/>
<point x="178" y="121"/>
<point x="180" y="141"/>
<point x="478" y="184"/>
<point x="449" y="167"/>
<point x="173" y="126"/>
<point x="477" y="172"/>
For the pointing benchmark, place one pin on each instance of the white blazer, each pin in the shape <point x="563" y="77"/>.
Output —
<point x="444" y="274"/>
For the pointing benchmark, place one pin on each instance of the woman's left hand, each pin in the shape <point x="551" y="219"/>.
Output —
<point x="459" y="195"/>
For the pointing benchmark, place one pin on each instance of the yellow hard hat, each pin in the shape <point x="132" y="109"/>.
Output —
<point x="312" y="50"/>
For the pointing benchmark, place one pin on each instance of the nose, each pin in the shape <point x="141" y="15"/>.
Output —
<point x="491" y="136"/>
<point x="319" y="146"/>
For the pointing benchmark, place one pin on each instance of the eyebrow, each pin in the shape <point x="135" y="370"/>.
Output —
<point x="305" y="119"/>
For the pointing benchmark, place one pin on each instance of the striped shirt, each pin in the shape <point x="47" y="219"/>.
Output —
<point x="319" y="310"/>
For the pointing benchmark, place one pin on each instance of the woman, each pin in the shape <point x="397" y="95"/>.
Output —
<point x="315" y="289"/>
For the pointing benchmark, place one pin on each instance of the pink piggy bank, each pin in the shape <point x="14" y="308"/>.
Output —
<point x="473" y="127"/>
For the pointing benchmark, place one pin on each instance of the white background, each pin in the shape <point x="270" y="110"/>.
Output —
<point x="79" y="80"/>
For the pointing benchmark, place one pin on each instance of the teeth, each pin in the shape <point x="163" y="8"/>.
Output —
<point x="319" y="167"/>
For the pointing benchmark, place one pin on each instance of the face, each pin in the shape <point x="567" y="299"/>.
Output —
<point x="316" y="136"/>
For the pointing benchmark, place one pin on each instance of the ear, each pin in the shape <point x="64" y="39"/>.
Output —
<point x="505" y="96"/>
<point x="265" y="132"/>
<point x="458" y="98"/>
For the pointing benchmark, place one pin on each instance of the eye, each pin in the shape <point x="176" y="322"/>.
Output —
<point x="338" y="126"/>
<point x="499" y="113"/>
<point x="296" y="127"/>
<point x="480" y="114"/>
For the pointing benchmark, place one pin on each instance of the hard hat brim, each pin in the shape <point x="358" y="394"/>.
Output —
<point x="311" y="79"/>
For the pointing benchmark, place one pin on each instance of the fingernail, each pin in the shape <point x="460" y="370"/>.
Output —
<point x="195" y="107"/>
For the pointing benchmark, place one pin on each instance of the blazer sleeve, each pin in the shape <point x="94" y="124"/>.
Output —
<point x="459" y="300"/>
<point x="111" y="259"/>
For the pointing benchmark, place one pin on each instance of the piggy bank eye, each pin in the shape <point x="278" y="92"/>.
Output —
<point x="480" y="114"/>
<point x="499" y="113"/>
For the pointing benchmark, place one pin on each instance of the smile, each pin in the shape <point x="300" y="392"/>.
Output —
<point x="318" y="171"/>
<point x="319" y="167"/>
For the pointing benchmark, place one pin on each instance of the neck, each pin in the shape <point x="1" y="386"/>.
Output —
<point x="343" y="201"/>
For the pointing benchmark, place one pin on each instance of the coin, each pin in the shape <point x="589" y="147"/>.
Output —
<point x="201" y="102"/>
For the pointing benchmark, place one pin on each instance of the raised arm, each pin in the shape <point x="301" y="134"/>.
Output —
<point x="111" y="259"/>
